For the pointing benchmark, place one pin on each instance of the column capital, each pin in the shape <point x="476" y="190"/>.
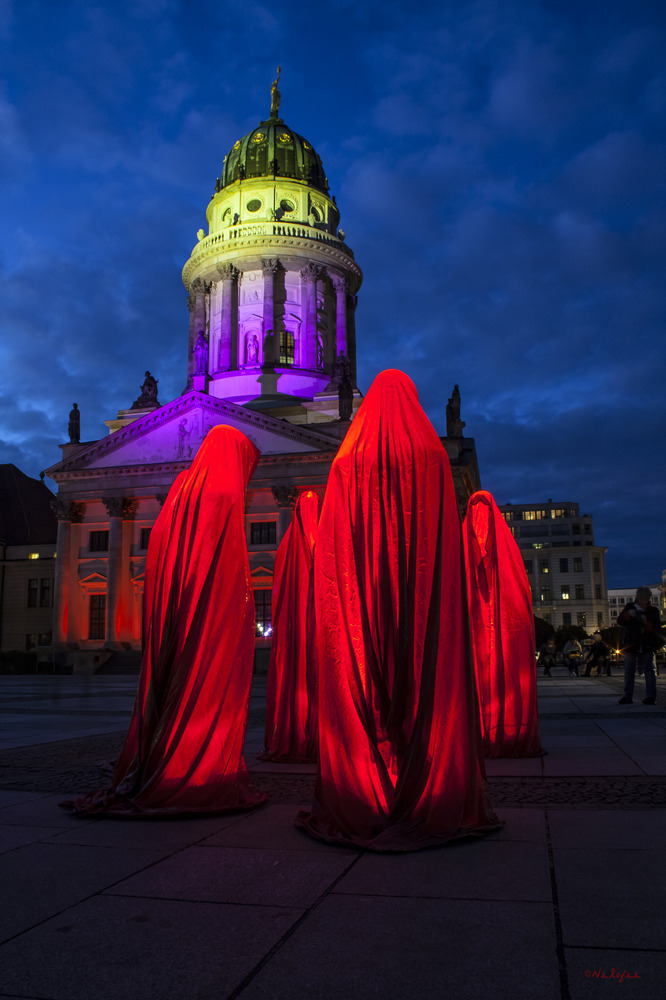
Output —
<point x="310" y="272"/>
<point x="270" y="265"/>
<point x="340" y="284"/>
<point x="124" y="507"/>
<point x="228" y="272"/>
<point x="197" y="285"/>
<point x="130" y="507"/>
<point x="285" y="496"/>
<point x="68" y="510"/>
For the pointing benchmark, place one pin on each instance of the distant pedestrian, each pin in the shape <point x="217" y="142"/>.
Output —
<point x="547" y="656"/>
<point x="642" y="637"/>
<point x="573" y="656"/>
<point x="597" y="657"/>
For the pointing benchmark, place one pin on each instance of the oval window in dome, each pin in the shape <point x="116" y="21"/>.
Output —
<point x="284" y="137"/>
<point x="253" y="205"/>
<point x="287" y="206"/>
<point x="306" y="145"/>
<point x="236" y="145"/>
<point x="258" y="137"/>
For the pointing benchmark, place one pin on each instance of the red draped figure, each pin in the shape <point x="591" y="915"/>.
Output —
<point x="500" y="606"/>
<point x="291" y="703"/>
<point x="399" y="756"/>
<point x="184" y="749"/>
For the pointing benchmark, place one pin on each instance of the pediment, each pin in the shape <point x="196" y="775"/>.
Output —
<point x="174" y="432"/>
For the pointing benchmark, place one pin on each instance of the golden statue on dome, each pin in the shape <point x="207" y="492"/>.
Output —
<point x="275" y="95"/>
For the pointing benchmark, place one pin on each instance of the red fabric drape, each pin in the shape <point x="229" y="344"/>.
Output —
<point x="183" y="752"/>
<point x="399" y="762"/>
<point x="500" y="603"/>
<point x="291" y="705"/>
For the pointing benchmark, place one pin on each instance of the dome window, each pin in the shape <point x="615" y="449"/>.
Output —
<point x="284" y="137"/>
<point x="258" y="137"/>
<point x="253" y="205"/>
<point x="287" y="206"/>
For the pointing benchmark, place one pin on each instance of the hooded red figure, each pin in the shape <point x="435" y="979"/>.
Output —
<point x="399" y="744"/>
<point x="500" y="606"/>
<point x="291" y="703"/>
<point x="184" y="748"/>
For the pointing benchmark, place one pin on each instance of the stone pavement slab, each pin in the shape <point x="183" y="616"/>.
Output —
<point x="238" y="875"/>
<point x="373" y="948"/>
<point x="41" y="811"/>
<point x="39" y="880"/>
<point x="580" y="733"/>
<point x="163" y="834"/>
<point x="623" y="829"/>
<point x="589" y="761"/>
<point x="122" y="948"/>
<point x="470" y="869"/>
<point x="270" y="827"/>
<point x="18" y="836"/>
<point x="610" y="898"/>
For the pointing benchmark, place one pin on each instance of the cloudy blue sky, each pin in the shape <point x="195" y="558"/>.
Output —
<point x="500" y="169"/>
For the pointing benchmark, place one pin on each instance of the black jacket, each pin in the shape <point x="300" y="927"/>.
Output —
<point x="642" y="632"/>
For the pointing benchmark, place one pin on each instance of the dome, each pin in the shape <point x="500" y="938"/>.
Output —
<point x="272" y="149"/>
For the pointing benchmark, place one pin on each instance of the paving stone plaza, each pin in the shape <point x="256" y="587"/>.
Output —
<point x="567" y="901"/>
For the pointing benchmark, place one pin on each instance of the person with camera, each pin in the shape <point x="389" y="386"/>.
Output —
<point x="642" y="637"/>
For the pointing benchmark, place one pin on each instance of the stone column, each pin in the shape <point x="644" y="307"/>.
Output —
<point x="340" y="286"/>
<point x="114" y="507"/>
<point x="62" y="567"/>
<point x="130" y="508"/>
<point x="198" y="309"/>
<point x="75" y="626"/>
<point x="308" y="354"/>
<point x="285" y="499"/>
<point x="227" y="352"/>
<point x="269" y="270"/>
<point x="65" y="593"/>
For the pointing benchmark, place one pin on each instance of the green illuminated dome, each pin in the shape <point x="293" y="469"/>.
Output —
<point x="272" y="149"/>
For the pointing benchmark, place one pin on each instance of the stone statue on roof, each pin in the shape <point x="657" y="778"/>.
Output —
<point x="148" y="395"/>
<point x="74" y="425"/>
<point x="454" y="425"/>
<point x="275" y="95"/>
<point x="200" y="351"/>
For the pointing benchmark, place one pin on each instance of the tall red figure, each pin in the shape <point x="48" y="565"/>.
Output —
<point x="291" y="703"/>
<point x="184" y="748"/>
<point x="399" y="755"/>
<point x="500" y="605"/>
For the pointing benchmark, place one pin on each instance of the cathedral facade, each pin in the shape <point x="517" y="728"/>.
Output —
<point x="272" y="290"/>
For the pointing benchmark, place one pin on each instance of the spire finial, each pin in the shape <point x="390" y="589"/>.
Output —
<point x="275" y="95"/>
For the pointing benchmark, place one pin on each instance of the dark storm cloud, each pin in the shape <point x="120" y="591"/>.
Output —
<point x="499" y="169"/>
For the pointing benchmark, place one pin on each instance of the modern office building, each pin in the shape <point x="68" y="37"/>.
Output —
<point x="566" y="569"/>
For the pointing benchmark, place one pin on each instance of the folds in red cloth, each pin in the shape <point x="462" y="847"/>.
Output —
<point x="500" y="605"/>
<point x="291" y="703"/>
<point x="183" y="752"/>
<point x="399" y="757"/>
